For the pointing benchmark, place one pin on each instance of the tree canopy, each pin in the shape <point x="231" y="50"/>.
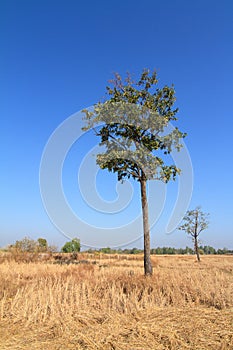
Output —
<point x="135" y="133"/>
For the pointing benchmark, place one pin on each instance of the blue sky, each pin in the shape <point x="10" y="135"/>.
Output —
<point x="57" y="58"/>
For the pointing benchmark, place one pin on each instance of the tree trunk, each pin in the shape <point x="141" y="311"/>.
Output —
<point x="148" y="270"/>
<point x="196" y="249"/>
<point x="195" y="236"/>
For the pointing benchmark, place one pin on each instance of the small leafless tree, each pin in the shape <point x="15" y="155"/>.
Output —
<point x="194" y="222"/>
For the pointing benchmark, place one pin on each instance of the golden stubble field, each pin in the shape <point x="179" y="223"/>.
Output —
<point x="105" y="302"/>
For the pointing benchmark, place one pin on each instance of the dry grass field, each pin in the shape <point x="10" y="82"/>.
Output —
<point x="106" y="303"/>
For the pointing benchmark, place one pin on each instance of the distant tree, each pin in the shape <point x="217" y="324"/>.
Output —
<point x="106" y="250"/>
<point x="28" y="245"/>
<point x="224" y="251"/>
<point x="153" y="251"/>
<point x="170" y="250"/>
<point x="180" y="251"/>
<point x="194" y="222"/>
<point x="71" y="246"/>
<point x="135" y="251"/>
<point x="53" y="249"/>
<point x="90" y="251"/>
<point x="189" y="250"/>
<point x="126" y="251"/>
<point x="25" y="245"/>
<point x="42" y="245"/>
<point x="159" y="251"/>
<point x="208" y="249"/>
<point x="135" y="119"/>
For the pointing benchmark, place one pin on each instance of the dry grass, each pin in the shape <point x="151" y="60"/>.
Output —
<point x="111" y="305"/>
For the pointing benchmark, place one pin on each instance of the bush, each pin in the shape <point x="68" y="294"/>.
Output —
<point x="72" y="246"/>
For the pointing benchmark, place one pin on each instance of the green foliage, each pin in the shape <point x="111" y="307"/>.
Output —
<point x="120" y="251"/>
<point x="224" y="251"/>
<point x="107" y="250"/>
<point x="171" y="251"/>
<point x="135" y="251"/>
<point x="71" y="246"/>
<point x="42" y="245"/>
<point x="135" y="118"/>
<point x="208" y="249"/>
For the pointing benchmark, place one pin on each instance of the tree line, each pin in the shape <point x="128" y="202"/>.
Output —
<point x="203" y="250"/>
<point x="28" y="245"/>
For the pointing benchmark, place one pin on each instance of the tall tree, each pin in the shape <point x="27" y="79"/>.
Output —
<point x="194" y="222"/>
<point x="133" y="130"/>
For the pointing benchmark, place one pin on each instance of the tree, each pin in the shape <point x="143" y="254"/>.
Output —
<point x="72" y="246"/>
<point x="106" y="250"/>
<point x="134" y="119"/>
<point x="208" y="249"/>
<point x="25" y="245"/>
<point x="135" y="251"/>
<point x="194" y="222"/>
<point x="42" y="245"/>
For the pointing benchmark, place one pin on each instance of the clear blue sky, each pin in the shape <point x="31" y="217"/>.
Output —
<point x="56" y="59"/>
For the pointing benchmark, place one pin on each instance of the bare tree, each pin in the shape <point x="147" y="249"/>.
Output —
<point x="194" y="222"/>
